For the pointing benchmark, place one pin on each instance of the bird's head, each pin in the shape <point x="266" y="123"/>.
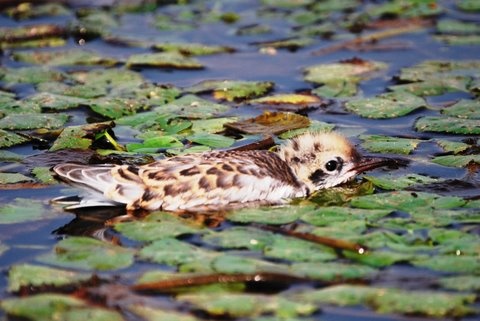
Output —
<point x="323" y="160"/>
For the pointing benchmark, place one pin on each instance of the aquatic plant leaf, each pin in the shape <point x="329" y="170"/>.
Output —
<point x="297" y="250"/>
<point x="289" y="101"/>
<point x="174" y="252"/>
<point x="399" y="9"/>
<point x="290" y="43"/>
<point x="158" y="314"/>
<point x="434" y="86"/>
<point x="232" y="90"/>
<point x="270" y="215"/>
<point x="240" y="237"/>
<point x="325" y="216"/>
<point x="468" y="5"/>
<point x="315" y="126"/>
<point x="44" y="175"/>
<point x="88" y="254"/>
<point x="35" y="31"/>
<point x="79" y="137"/>
<point x="431" y="70"/>
<point x="333" y="271"/>
<point x="24" y="275"/>
<point x="29" y="11"/>
<point x="55" y="101"/>
<point x="23" y="210"/>
<point x="452" y="125"/>
<point x="30" y="75"/>
<point x="213" y="125"/>
<point x="80" y="91"/>
<point x="234" y="264"/>
<point x="117" y="79"/>
<point x="32" y="121"/>
<point x="113" y="107"/>
<point x="154" y="94"/>
<point x="340" y="88"/>
<point x="10" y="178"/>
<point x="163" y="60"/>
<point x="7" y="156"/>
<point x="453" y="147"/>
<point x="156" y="226"/>
<point x="456" y="160"/>
<point x="395" y="182"/>
<point x="459" y="40"/>
<point x="387" y="144"/>
<point x="407" y="201"/>
<point x="154" y="144"/>
<point x="390" y="300"/>
<point x="64" y="58"/>
<point x="8" y="139"/>
<point x="211" y="140"/>
<point x="270" y="123"/>
<point x="452" y="26"/>
<point x="192" y="49"/>
<point x="464" y="109"/>
<point x="44" y="307"/>
<point x="450" y="263"/>
<point x="348" y="71"/>
<point x="246" y="305"/>
<point x="192" y="106"/>
<point x="378" y="258"/>
<point x="461" y="283"/>
<point x="389" y="105"/>
<point x="34" y="43"/>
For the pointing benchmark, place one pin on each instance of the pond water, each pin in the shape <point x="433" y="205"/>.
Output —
<point x="398" y="78"/>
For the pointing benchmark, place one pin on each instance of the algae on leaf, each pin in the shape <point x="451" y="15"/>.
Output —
<point x="8" y="139"/>
<point x="33" y="121"/>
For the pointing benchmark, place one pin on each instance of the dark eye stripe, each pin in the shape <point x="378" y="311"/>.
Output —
<point x="317" y="176"/>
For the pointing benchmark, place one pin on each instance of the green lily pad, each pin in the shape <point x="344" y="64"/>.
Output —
<point x="154" y="94"/>
<point x="453" y="147"/>
<point x="192" y="49"/>
<point x="270" y="123"/>
<point x="451" y="263"/>
<point x="389" y="105"/>
<point x="393" y="182"/>
<point x="434" y="86"/>
<point x="461" y="283"/>
<point x="464" y="109"/>
<point x="339" y="88"/>
<point x="23" y="210"/>
<point x="231" y="90"/>
<point x="448" y="125"/>
<point x="213" y="125"/>
<point x="35" y="31"/>
<point x="387" y="144"/>
<point x="80" y="91"/>
<point x="44" y="175"/>
<point x="379" y="259"/>
<point x="34" y="43"/>
<point x="35" y="275"/>
<point x="95" y="23"/>
<point x="192" y="106"/>
<point x="246" y="305"/>
<point x="211" y="140"/>
<point x="234" y="264"/>
<point x="456" y="160"/>
<point x="79" y="137"/>
<point x="468" y="5"/>
<point x="333" y="272"/>
<point x="154" y="144"/>
<point x="457" y="27"/>
<point x="432" y="70"/>
<point x="29" y="11"/>
<point x="163" y="60"/>
<point x="291" y="43"/>
<point x="64" y="58"/>
<point x="55" y="101"/>
<point x="158" y="314"/>
<point x="407" y="201"/>
<point x="460" y="40"/>
<point x="297" y="250"/>
<point x="8" y="139"/>
<point x="240" y="237"/>
<point x="325" y="216"/>
<point x="270" y="215"/>
<point x="397" y="8"/>
<point x="31" y="75"/>
<point x="157" y="225"/>
<point x="32" y="121"/>
<point x="88" y="254"/>
<point x="7" y="156"/>
<point x="117" y="107"/>
<point x="11" y="178"/>
<point x="315" y="126"/>
<point x="44" y="307"/>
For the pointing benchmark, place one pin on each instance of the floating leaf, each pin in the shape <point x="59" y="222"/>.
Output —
<point x="448" y="125"/>
<point x="158" y="314"/>
<point x="154" y="144"/>
<point x="192" y="106"/>
<point x="117" y="107"/>
<point x="192" y="49"/>
<point x="468" y="5"/>
<point x="461" y="40"/>
<point x="464" y="109"/>
<point x="8" y="139"/>
<point x="270" y="123"/>
<point x="340" y="88"/>
<point x="387" y="144"/>
<point x="29" y="32"/>
<point x="64" y="58"/>
<point x="155" y="226"/>
<point x="29" y="11"/>
<point x="35" y="275"/>
<point x="7" y="156"/>
<point x="407" y="201"/>
<point x="297" y="250"/>
<point x="388" y="105"/>
<point x="89" y="254"/>
<point x="457" y="27"/>
<point x="290" y="44"/>
<point x="11" y="178"/>
<point x="240" y="237"/>
<point x="456" y="160"/>
<point x="211" y="140"/>
<point x="270" y="215"/>
<point x="451" y="263"/>
<point x="243" y="305"/>
<point x="79" y="137"/>
<point x="333" y="272"/>
<point x="163" y="60"/>
<point x="233" y="264"/>
<point x="461" y="283"/>
<point x="232" y="90"/>
<point x="23" y="210"/>
<point x="392" y="182"/>
<point x="31" y="75"/>
<point x="44" y="307"/>
<point x="32" y="121"/>
<point x="213" y="125"/>
<point x="315" y="126"/>
<point x="434" y="86"/>
<point x="437" y="69"/>
<point x="81" y="90"/>
<point x="55" y="101"/>
<point x="44" y="175"/>
<point x="325" y="216"/>
<point x="292" y="102"/>
<point x="449" y="146"/>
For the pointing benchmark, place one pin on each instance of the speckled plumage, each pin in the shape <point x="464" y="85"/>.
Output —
<point x="222" y="178"/>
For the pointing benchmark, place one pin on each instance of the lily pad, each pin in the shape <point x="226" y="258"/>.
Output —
<point x="315" y="126"/>
<point x="213" y="125"/>
<point x="44" y="175"/>
<point x="389" y="105"/>
<point x="192" y="49"/>
<point x="192" y="106"/>
<point x="79" y="137"/>
<point x="234" y="264"/>
<point x="211" y="140"/>
<point x="163" y="60"/>
<point x="449" y="146"/>
<point x="232" y="90"/>
<point x="35" y="275"/>
<point x="109" y="78"/>
<point x="325" y="216"/>
<point x="448" y="125"/>
<point x="434" y="86"/>
<point x="32" y="121"/>
<point x="11" y="178"/>
<point x="456" y="160"/>
<point x="270" y="215"/>
<point x="23" y="210"/>
<point x="154" y="144"/>
<point x="461" y="283"/>
<point x="240" y="237"/>
<point x="55" y="101"/>
<point x="117" y="107"/>
<point x="333" y="272"/>
<point x="451" y="26"/>
<point x="464" y="109"/>
<point x="270" y="123"/>
<point x="451" y="263"/>
<point x="460" y="40"/>
<point x="293" y="102"/>
<point x="297" y="250"/>
<point x="64" y="58"/>
<point x="392" y="182"/>
<point x="439" y="69"/>
<point x="8" y="139"/>
<point x="157" y="225"/>
<point x="30" y="75"/>
<point x="35" y="31"/>
<point x="158" y="314"/>
<point x="80" y="90"/>
<point x="290" y="44"/>
<point x="387" y="144"/>
<point x="44" y="307"/>
<point x="340" y="88"/>
<point x="88" y="254"/>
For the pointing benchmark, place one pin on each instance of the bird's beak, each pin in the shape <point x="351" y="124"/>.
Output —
<point x="368" y="163"/>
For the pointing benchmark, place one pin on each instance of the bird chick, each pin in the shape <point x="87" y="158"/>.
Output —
<point x="217" y="179"/>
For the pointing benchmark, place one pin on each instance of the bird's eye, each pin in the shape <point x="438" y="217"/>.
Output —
<point x="331" y="165"/>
